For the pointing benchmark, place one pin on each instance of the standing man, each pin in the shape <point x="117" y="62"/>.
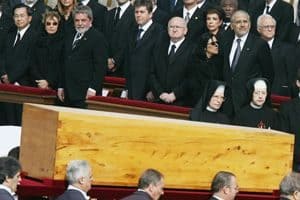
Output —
<point x="283" y="56"/>
<point x="245" y="56"/>
<point x="118" y="23"/>
<point x="171" y="67"/>
<point x="10" y="177"/>
<point x="150" y="186"/>
<point x="79" y="176"/>
<point x="15" y="57"/>
<point x="141" y="45"/>
<point x="224" y="186"/>
<point x="85" y="61"/>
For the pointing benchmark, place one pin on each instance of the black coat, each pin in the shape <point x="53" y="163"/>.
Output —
<point x="99" y="15"/>
<point x="47" y="59"/>
<point x="138" y="195"/>
<point x="71" y="195"/>
<point x="165" y="5"/>
<point x="161" y="17"/>
<point x="84" y="66"/>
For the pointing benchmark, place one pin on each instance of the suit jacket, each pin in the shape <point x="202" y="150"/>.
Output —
<point x="161" y="17"/>
<point x="99" y="15"/>
<point x="84" y="66"/>
<point x="196" y="25"/>
<point x="71" y="195"/>
<point x="4" y="195"/>
<point x="172" y="75"/>
<point x="138" y="195"/>
<point x="165" y="5"/>
<point x="284" y="15"/>
<point x="138" y="61"/>
<point x="255" y="61"/>
<point x="15" y="59"/>
<point x="285" y="69"/>
<point x="117" y="37"/>
<point x="6" y="23"/>
<point x="38" y="9"/>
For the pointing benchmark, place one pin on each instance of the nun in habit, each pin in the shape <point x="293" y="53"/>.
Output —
<point x="208" y="108"/>
<point x="258" y="112"/>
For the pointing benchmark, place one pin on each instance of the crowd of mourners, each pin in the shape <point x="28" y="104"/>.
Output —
<point x="224" y="58"/>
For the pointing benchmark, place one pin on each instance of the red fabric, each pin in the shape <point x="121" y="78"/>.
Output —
<point x="141" y="104"/>
<point x="26" y="90"/>
<point x="276" y="99"/>
<point x="30" y="187"/>
<point x="114" y="80"/>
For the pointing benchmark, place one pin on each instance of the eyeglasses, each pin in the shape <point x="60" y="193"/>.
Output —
<point x="214" y="43"/>
<point x="267" y="27"/>
<point x="53" y="23"/>
<point x="175" y="27"/>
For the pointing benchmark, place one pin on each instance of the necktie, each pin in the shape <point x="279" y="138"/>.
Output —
<point x="117" y="15"/>
<point x="139" y="34"/>
<point x="172" y="5"/>
<point x="237" y="54"/>
<point x="18" y="38"/>
<point x="76" y="39"/>
<point x="172" y="52"/>
<point x="187" y="17"/>
<point x="268" y="9"/>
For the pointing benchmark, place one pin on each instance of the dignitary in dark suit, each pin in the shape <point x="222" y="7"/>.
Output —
<point x="159" y="16"/>
<point x="99" y="13"/>
<point x="258" y="112"/>
<point x="229" y="7"/>
<point x="193" y="15"/>
<point x="79" y="176"/>
<point x="15" y="58"/>
<point x="10" y="177"/>
<point x="85" y="61"/>
<point x="209" y="107"/>
<point x="290" y="187"/>
<point x="119" y="22"/>
<point x="282" y="12"/>
<point x="283" y="56"/>
<point x="169" y="5"/>
<point x="141" y="46"/>
<point x="150" y="186"/>
<point x="290" y="112"/>
<point x="171" y="67"/>
<point x="224" y="186"/>
<point x="245" y="56"/>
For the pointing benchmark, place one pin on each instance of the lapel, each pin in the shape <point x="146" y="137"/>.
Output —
<point x="82" y="40"/>
<point x="195" y="18"/>
<point x="275" y="8"/>
<point x="147" y="35"/>
<point x="245" y="52"/>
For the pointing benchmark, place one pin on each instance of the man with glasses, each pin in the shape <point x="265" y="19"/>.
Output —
<point x="224" y="186"/>
<point x="282" y="54"/>
<point x="171" y="67"/>
<point x="150" y="186"/>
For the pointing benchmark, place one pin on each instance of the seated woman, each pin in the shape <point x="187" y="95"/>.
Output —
<point x="257" y="113"/>
<point x="208" y="109"/>
<point x="47" y="54"/>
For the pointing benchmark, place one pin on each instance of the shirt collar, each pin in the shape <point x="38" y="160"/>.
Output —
<point x="191" y="11"/>
<point x="270" y="43"/>
<point x="271" y="4"/>
<point x="210" y="109"/>
<point x="22" y="32"/>
<point x="71" y="187"/>
<point x="243" y="38"/>
<point x="4" y="187"/>
<point x="177" y="44"/>
<point x="125" y="5"/>
<point x="201" y="4"/>
<point x="255" y="106"/>
<point x="146" y="26"/>
<point x="219" y="198"/>
<point x="85" y="2"/>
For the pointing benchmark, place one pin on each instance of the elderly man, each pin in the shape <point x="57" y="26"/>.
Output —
<point x="79" y="176"/>
<point x="290" y="187"/>
<point x="283" y="56"/>
<point x="170" y="74"/>
<point x="150" y="186"/>
<point x="10" y="177"/>
<point x="224" y="186"/>
<point x="85" y="61"/>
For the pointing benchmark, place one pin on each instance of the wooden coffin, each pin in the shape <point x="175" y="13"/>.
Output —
<point x="121" y="146"/>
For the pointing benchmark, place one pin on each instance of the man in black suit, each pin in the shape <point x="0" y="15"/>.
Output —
<point x="159" y="16"/>
<point x="85" y="61"/>
<point x="171" y="71"/>
<point x="118" y="23"/>
<point x="99" y="13"/>
<point x="224" y="186"/>
<point x="10" y="177"/>
<point x="38" y="8"/>
<point x="16" y="54"/>
<point x="290" y="112"/>
<point x="193" y="15"/>
<point x="141" y="45"/>
<point x="282" y="12"/>
<point x="79" y="176"/>
<point x="170" y="5"/>
<point x="245" y="56"/>
<point x="283" y="56"/>
<point x="150" y="186"/>
<point x="290" y="187"/>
